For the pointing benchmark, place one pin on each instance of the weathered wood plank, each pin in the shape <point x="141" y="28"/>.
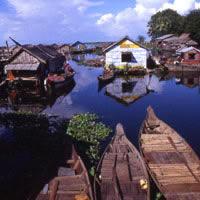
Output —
<point x="172" y="163"/>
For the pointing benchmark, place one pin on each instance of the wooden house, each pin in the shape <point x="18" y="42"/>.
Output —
<point x="33" y="63"/>
<point x="190" y="55"/>
<point x="63" y="48"/>
<point x="126" y="52"/>
<point x="161" y="40"/>
<point x="78" y="46"/>
<point x="172" y="42"/>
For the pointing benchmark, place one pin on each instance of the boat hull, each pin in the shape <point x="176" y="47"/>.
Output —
<point x="120" y="171"/>
<point x="171" y="162"/>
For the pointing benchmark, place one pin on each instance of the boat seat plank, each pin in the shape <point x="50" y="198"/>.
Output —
<point x="176" y="180"/>
<point x="128" y="189"/>
<point x="180" y="188"/>
<point x="183" y="196"/>
<point x="165" y="158"/>
<point x="66" y="180"/>
<point x="71" y="187"/>
<point x="64" y="171"/>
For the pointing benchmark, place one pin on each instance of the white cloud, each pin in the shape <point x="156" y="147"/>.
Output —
<point x="133" y="21"/>
<point x="94" y="15"/>
<point x="27" y="8"/>
<point x="180" y="6"/>
<point x="41" y="21"/>
<point x="105" y="19"/>
<point x="30" y="8"/>
<point x="197" y="5"/>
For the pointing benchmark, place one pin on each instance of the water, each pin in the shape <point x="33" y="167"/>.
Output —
<point x="174" y="97"/>
<point x="126" y="101"/>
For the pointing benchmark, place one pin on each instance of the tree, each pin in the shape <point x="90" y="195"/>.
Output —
<point x="141" y="39"/>
<point x="192" y="24"/>
<point x="165" y="22"/>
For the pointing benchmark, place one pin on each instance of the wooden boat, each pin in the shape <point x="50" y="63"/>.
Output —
<point x="72" y="182"/>
<point x="107" y="76"/>
<point x="121" y="172"/>
<point x="55" y="80"/>
<point x="170" y="160"/>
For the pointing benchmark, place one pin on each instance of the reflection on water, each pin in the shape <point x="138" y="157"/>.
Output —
<point x="83" y="57"/>
<point x="129" y="89"/>
<point x="31" y="99"/>
<point x="174" y="97"/>
<point x="189" y="79"/>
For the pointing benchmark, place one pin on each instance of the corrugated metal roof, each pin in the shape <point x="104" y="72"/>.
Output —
<point x="164" y="37"/>
<point x="185" y="49"/>
<point x="29" y="67"/>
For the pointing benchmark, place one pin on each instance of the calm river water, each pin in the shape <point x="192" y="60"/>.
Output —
<point x="174" y="97"/>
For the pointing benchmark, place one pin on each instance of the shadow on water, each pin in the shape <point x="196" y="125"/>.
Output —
<point x="31" y="99"/>
<point x="30" y="154"/>
<point x="32" y="147"/>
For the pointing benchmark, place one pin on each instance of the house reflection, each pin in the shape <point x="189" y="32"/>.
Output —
<point x="188" y="79"/>
<point x="78" y="57"/>
<point x="32" y="100"/>
<point x="127" y="90"/>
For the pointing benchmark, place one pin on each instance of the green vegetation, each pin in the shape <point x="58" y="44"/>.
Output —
<point x="165" y="22"/>
<point x="170" y="22"/>
<point x="192" y="24"/>
<point x="98" y="52"/>
<point x="141" y="39"/>
<point x="87" y="134"/>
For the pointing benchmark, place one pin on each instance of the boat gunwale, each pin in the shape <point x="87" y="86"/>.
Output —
<point x="134" y="149"/>
<point x="142" y="152"/>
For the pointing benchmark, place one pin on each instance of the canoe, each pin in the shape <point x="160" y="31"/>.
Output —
<point x="58" y="81"/>
<point x="121" y="172"/>
<point x="107" y="76"/>
<point x="72" y="182"/>
<point x="172" y="163"/>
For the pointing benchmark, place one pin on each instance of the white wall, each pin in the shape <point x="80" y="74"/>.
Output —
<point x="113" y="56"/>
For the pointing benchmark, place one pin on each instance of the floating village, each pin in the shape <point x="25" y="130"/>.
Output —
<point x="46" y="80"/>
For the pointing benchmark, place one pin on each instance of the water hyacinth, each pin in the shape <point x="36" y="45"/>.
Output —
<point x="85" y="129"/>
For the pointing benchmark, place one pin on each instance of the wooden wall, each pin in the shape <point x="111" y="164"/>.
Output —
<point x="24" y="58"/>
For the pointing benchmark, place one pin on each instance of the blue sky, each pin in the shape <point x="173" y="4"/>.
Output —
<point x="66" y="21"/>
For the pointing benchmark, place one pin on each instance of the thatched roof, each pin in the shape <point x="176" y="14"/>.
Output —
<point x="49" y="50"/>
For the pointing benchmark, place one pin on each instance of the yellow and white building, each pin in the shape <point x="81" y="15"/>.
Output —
<point x="126" y="52"/>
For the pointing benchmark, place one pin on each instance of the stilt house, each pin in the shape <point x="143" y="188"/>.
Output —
<point x="190" y="55"/>
<point x="33" y="63"/>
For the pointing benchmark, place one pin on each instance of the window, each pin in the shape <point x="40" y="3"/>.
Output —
<point x="190" y="81"/>
<point x="128" y="86"/>
<point x="192" y="56"/>
<point x="126" y="56"/>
